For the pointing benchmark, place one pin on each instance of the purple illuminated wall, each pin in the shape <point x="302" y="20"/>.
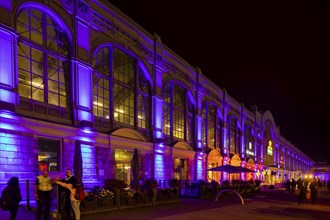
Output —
<point x="19" y="133"/>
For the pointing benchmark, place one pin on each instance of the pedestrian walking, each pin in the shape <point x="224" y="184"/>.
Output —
<point x="43" y="189"/>
<point x="314" y="188"/>
<point x="75" y="204"/>
<point x="287" y="185"/>
<point x="12" y="195"/>
<point x="293" y="185"/>
<point x="301" y="191"/>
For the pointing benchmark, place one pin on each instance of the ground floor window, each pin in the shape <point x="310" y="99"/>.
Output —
<point x="48" y="154"/>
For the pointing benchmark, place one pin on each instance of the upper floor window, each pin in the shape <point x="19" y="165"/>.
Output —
<point x="121" y="91"/>
<point x="249" y="143"/>
<point x="177" y="110"/>
<point x="211" y="127"/>
<point x="233" y="136"/>
<point x="43" y="63"/>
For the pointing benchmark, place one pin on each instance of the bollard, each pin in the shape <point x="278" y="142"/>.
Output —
<point x="28" y="194"/>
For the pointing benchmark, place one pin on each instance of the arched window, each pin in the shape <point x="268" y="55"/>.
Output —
<point x="177" y="112"/>
<point x="190" y="123"/>
<point x="101" y="83"/>
<point x="43" y="58"/>
<point x="211" y="127"/>
<point x="120" y="84"/>
<point x="124" y="68"/>
<point x="232" y="136"/>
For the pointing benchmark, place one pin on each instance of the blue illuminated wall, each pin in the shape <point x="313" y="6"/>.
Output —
<point x="18" y="156"/>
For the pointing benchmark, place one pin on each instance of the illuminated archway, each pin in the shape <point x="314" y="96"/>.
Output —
<point x="214" y="159"/>
<point x="235" y="161"/>
<point x="250" y="165"/>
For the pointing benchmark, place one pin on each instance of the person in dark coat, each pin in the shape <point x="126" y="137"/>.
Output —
<point x="13" y="187"/>
<point x="314" y="187"/>
<point x="67" y="211"/>
<point x="302" y="191"/>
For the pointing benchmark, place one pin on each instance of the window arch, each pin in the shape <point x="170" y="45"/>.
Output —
<point x="43" y="58"/>
<point x="178" y="112"/>
<point x="121" y="92"/>
<point x="211" y="127"/>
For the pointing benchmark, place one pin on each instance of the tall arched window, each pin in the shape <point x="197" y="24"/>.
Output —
<point x="177" y="111"/>
<point x="101" y="83"/>
<point x="190" y="123"/>
<point x="124" y="68"/>
<point x="211" y="127"/>
<point x="43" y="58"/>
<point x="232" y="135"/>
<point x="120" y="84"/>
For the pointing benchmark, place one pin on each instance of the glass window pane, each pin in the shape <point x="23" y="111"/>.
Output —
<point x="24" y="90"/>
<point x="37" y="68"/>
<point x="23" y="63"/>
<point x="24" y="77"/>
<point x="23" y="50"/>
<point x="52" y="74"/>
<point x="23" y="30"/>
<point x="62" y="90"/>
<point x="36" y="37"/>
<point x="52" y="86"/>
<point x="37" y="82"/>
<point x="63" y="101"/>
<point x="23" y="17"/>
<point x="35" y="22"/>
<point x="38" y="94"/>
<point x="53" y="99"/>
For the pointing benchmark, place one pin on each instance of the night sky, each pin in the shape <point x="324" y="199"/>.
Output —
<point x="270" y="54"/>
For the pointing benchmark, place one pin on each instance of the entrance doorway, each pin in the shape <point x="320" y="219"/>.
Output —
<point x="214" y="159"/>
<point x="181" y="169"/>
<point x="123" y="160"/>
<point x="123" y="172"/>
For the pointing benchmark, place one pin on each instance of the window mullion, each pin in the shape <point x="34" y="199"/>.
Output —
<point x="111" y="85"/>
<point x="171" y="109"/>
<point x="135" y="96"/>
<point x="44" y="63"/>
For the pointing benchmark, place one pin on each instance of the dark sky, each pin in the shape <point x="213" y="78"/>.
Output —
<point x="271" y="54"/>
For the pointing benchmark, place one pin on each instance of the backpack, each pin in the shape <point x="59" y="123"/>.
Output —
<point x="6" y="201"/>
<point x="80" y="194"/>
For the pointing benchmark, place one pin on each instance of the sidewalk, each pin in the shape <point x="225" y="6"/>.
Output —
<point x="270" y="204"/>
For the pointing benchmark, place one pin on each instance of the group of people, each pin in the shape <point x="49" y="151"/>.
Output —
<point x="307" y="190"/>
<point x="43" y="188"/>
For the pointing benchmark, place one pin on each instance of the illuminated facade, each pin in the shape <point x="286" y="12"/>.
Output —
<point x="82" y="70"/>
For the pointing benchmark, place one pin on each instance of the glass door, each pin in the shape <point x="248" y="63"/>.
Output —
<point x="123" y="172"/>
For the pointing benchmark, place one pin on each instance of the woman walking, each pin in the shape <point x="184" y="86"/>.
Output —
<point x="14" y="191"/>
